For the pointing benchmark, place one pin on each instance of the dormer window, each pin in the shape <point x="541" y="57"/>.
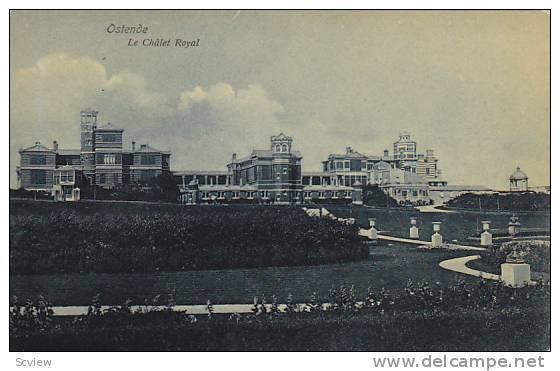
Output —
<point x="278" y="148"/>
<point x="284" y="147"/>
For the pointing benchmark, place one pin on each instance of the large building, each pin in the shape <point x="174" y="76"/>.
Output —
<point x="275" y="176"/>
<point x="271" y="176"/>
<point x="101" y="159"/>
<point x="395" y="175"/>
<point x="266" y="176"/>
<point x="407" y="158"/>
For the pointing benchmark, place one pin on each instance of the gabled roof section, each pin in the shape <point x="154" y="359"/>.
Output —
<point x="38" y="147"/>
<point x="348" y="155"/>
<point x="281" y="136"/>
<point x="108" y="127"/>
<point x="145" y="148"/>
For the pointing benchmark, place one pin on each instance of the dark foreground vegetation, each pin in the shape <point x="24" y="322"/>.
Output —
<point x="525" y="201"/>
<point x="162" y="188"/>
<point x="373" y="196"/>
<point x="116" y="237"/>
<point x="534" y="253"/>
<point x="487" y="317"/>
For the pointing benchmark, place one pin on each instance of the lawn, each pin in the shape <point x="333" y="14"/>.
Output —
<point x="388" y="267"/>
<point x="415" y="306"/>
<point x="455" y="226"/>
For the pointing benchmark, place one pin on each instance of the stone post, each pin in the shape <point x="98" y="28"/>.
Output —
<point x="413" y="229"/>
<point x="437" y="239"/>
<point x="372" y="232"/>
<point x="486" y="236"/>
<point x="516" y="274"/>
<point x="514" y="226"/>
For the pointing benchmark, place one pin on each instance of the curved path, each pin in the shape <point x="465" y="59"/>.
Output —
<point x="432" y="209"/>
<point x="460" y="265"/>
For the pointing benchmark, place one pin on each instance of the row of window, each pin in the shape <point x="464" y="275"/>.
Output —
<point x="220" y="195"/>
<point x="110" y="178"/>
<point x="148" y="159"/>
<point x="281" y="148"/>
<point x="322" y="194"/>
<point x="414" y="193"/>
<point x="37" y="159"/>
<point x="110" y="138"/>
<point x="109" y="158"/>
<point x="63" y="177"/>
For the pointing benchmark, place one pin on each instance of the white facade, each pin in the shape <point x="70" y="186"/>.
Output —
<point x="64" y="184"/>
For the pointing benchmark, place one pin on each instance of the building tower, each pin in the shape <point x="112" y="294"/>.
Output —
<point x="281" y="143"/>
<point x="404" y="151"/>
<point x="286" y="170"/>
<point x="108" y="156"/>
<point x="88" y="125"/>
<point x="518" y="181"/>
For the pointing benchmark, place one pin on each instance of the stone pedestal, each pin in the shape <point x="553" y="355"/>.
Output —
<point x="372" y="233"/>
<point x="486" y="236"/>
<point x="486" y="239"/>
<point x="414" y="232"/>
<point x="513" y="229"/>
<point x="516" y="274"/>
<point x="413" y="229"/>
<point x="514" y="226"/>
<point x="437" y="240"/>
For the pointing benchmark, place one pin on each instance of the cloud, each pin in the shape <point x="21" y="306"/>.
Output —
<point x="219" y="119"/>
<point x="201" y="126"/>
<point x="47" y="97"/>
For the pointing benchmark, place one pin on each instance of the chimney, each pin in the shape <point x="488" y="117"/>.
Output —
<point x="386" y="153"/>
<point x="349" y="150"/>
<point x="55" y="145"/>
<point x="133" y="146"/>
<point x="233" y="157"/>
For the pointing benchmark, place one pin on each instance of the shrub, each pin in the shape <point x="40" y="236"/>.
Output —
<point x="420" y="318"/>
<point x="62" y="238"/>
<point x="525" y="201"/>
<point x="536" y="253"/>
<point x="373" y="196"/>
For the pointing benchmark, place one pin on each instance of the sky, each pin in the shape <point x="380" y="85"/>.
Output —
<point x="472" y="85"/>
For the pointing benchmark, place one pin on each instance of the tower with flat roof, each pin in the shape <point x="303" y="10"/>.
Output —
<point x="88" y="125"/>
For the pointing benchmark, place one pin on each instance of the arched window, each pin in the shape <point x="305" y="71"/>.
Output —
<point x="278" y="148"/>
<point x="284" y="147"/>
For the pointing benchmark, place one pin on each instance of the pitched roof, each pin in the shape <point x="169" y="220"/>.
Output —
<point x="38" y="147"/>
<point x="264" y="153"/>
<point x="201" y="172"/>
<point x="353" y="154"/>
<point x="315" y="173"/>
<point x="280" y="136"/>
<point x="144" y="148"/>
<point x="518" y="175"/>
<point x="108" y="127"/>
